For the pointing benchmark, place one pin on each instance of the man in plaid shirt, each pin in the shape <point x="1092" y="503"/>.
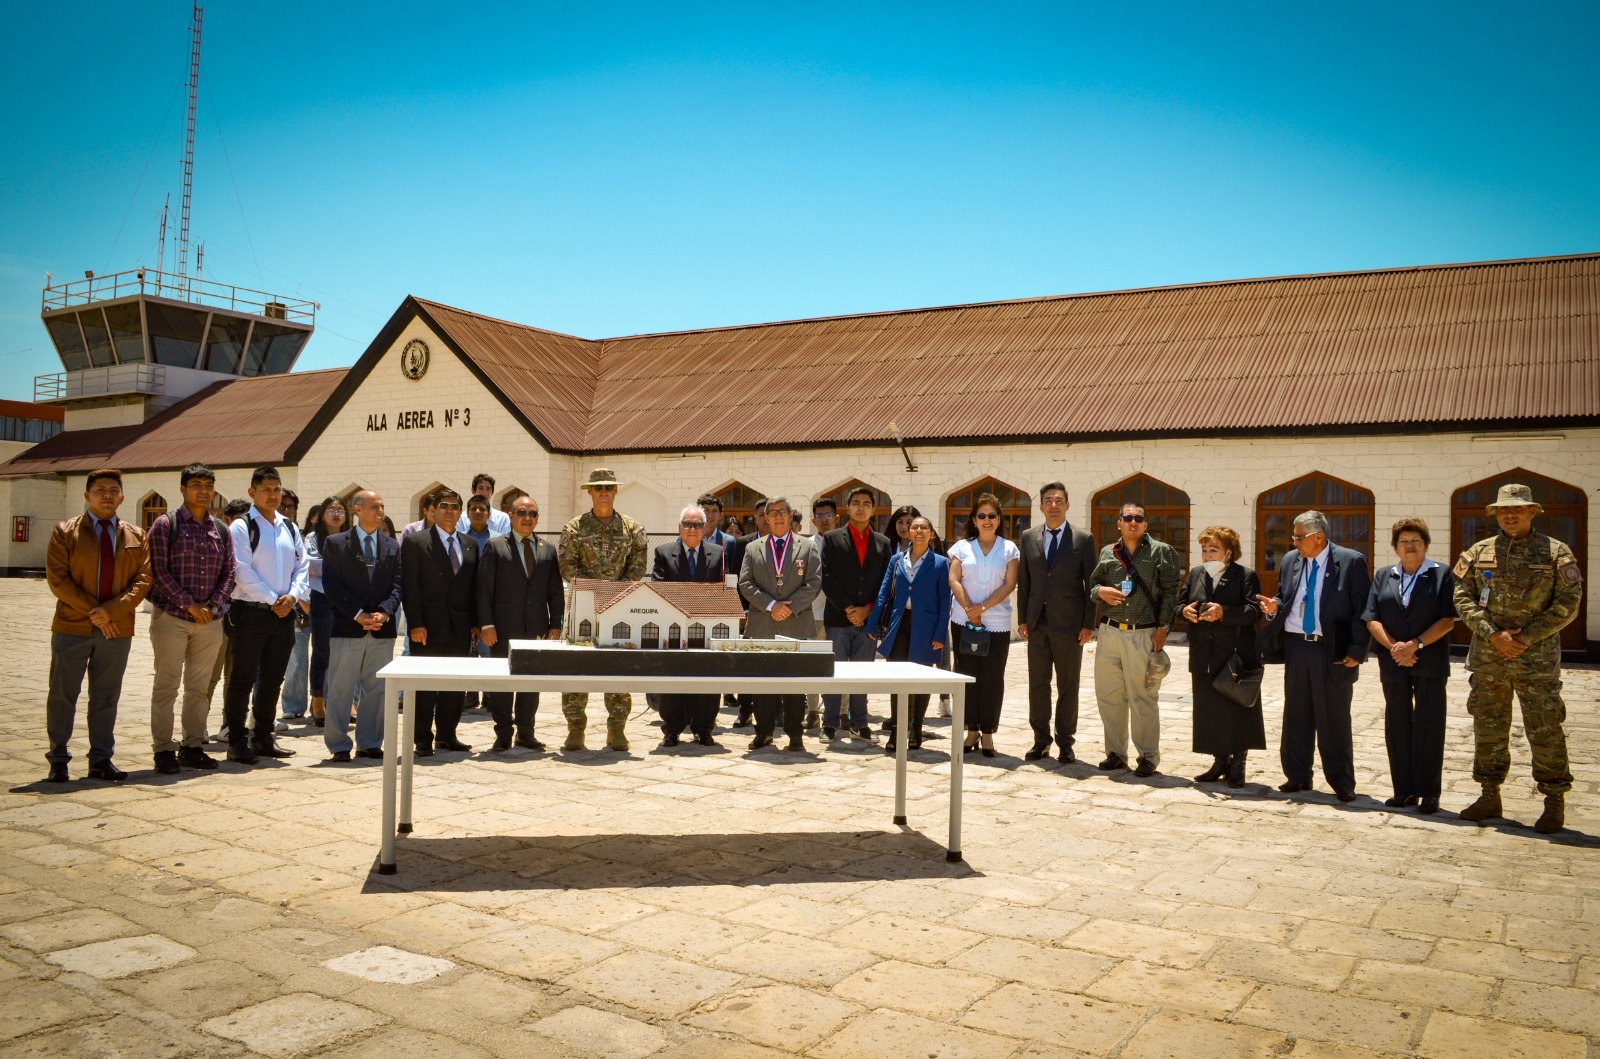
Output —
<point x="191" y="557"/>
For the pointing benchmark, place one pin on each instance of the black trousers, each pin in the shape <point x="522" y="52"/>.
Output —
<point x="1053" y="652"/>
<point x="1317" y="690"/>
<point x="439" y="708"/>
<point x="697" y="713"/>
<point x="1413" y="728"/>
<point x="771" y="710"/>
<point x="984" y="697"/>
<point x="900" y="651"/>
<point x="261" y="643"/>
<point x="501" y="708"/>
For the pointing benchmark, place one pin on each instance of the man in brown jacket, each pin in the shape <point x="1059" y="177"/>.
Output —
<point x="99" y="570"/>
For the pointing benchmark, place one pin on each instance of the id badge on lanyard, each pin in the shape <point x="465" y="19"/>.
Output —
<point x="1483" y="597"/>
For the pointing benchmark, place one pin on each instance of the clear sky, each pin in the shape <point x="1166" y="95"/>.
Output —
<point x="608" y="169"/>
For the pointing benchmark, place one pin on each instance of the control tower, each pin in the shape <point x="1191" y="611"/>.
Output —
<point x="136" y="342"/>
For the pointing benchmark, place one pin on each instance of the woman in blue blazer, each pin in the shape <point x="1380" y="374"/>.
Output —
<point x="912" y="615"/>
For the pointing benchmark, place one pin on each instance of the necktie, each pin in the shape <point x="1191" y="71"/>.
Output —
<point x="369" y="555"/>
<point x="455" y="557"/>
<point x="693" y="573"/>
<point x="108" y="561"/>
<point x="527" y="556"/>
<point x="1050" y="549"/>
<point x="1308" y="619"/>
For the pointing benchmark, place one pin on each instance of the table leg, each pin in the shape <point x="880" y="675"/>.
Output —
<point x="391" y="743"/>
<point x="958" y="722"/>
<point x="900" y="704"/>
<point x="408" y="746"/>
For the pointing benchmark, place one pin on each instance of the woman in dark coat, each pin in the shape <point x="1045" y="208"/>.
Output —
<point x="1219" y="602"/>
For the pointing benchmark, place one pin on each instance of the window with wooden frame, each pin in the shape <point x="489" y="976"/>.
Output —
<point x="882" y="504"/>
<point x="154" y="506"/>
<point x="1348" y="507"/>
<point x="1016" y="509"/>
<point x="1166" y="506"/>
<point x="739" y="500"/>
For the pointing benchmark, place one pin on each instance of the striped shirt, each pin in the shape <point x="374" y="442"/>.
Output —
<point x="198" y="568"/>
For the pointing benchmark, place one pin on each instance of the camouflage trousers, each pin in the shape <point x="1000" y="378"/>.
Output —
<point x="1542" y="714"/>
<point x="575" y="707"/>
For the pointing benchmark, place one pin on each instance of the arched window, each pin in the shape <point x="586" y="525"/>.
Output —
<point x="1016" y="509"/>
<point x="674" y="636"/>
<point x="586" y="629"/>
<point x="740" y="500"/>
<point x="1349" y="511"/>
<point x="154" y="506"/>
<point x="620" y="631"/>
<point x="697" y="635"/>
<point x="650" y="635"/>
<point x="1565" y="517"/>
<point x="218" y="503"/>
<point x="509" y="497"/>
<point x="719" y="631"/>
<point x="1166" y="506"/>
<point x="882" y="503"/>
<point x="421" y="499"/>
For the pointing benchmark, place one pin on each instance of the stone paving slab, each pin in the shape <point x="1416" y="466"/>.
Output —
<point x="723" y="905"/>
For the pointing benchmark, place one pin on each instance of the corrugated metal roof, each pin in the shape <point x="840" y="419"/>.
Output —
<point x="232" y="423"/>
<point x="1511" y="340"/>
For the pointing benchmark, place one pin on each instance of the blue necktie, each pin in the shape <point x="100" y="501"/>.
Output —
<point x="1308" y="619"/>
<point x="1050" y="549"/>
<point x="693" y="574"/>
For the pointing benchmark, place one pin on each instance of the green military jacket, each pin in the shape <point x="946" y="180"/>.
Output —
<point x="613" y="551"/>
<point x="1158" y="565"/>
<point x="1534" y="584"/>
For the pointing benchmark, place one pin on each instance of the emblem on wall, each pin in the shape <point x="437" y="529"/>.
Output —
<point x="414" y="359"/>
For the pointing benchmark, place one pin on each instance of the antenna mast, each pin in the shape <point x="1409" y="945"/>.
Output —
<point x="188" y="147"/>
<point x="161" y="242"/>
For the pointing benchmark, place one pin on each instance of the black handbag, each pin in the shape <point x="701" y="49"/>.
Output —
<point x="1239" y="684"/>
<point x="974" y="640"/>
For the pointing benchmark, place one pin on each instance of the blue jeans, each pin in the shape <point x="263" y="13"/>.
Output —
<point x="296" y="682"/>
<point x="850" y="644"/>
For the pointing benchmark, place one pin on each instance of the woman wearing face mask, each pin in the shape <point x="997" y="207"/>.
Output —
<point x="1219" y="603"/>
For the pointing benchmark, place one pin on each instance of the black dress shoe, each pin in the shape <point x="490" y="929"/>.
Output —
<point x="242" y="754"/>
<point x="915" y="743"/>
<point x="423" y="751"/>
<point x="1428" y="806"/>
<point x="796" y="744"/>
<point x="58" y="773"/>
<point x="1067" y="757"/>
<point x="530" y="744"/>
<point x="106" y="771"/>
<point x="1345" y="794"/>
<point x="988" y="751"/>
<point x="195" y="758"/>
<point x="454" y="744"/>
<point x="969" y="748"/>
<point x="1400" y="801"/>
<point x="1146" y="768"/>
<point x="669" y="740"/>
<point x="270" y="748"/>
<point x="1112" y="762"/>
<point x="704" y="739"/>
<point x="371" y="752"/>
<point x="1038" y="752"/>
<point x="742" y="721"/>
<point x="760" y="742"/>
<point x="167" y="762"/>
<point x="1294" y="787"/>
<point x="500" y="746"/>
<point x="340" y="755"/>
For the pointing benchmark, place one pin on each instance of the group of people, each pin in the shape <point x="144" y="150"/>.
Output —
<point x="252" y="596"/>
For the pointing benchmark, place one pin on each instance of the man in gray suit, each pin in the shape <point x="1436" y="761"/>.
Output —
<point x="519" y="598"/>
<point x="1055" y="618"/>
<point x="780" y="577"/>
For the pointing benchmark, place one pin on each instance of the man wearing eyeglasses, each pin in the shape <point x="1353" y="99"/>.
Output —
<point x="1136" y="583"/>
<point x="519" y="598"/>
<point x="1316" y="618"/>
<point x="689" y="558"/>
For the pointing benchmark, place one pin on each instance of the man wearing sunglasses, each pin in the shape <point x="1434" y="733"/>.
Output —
<point x="1136" y="583"/>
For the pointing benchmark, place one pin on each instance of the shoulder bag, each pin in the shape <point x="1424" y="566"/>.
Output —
<point x="1239" y="684"/>
<point x="974" y="640"/>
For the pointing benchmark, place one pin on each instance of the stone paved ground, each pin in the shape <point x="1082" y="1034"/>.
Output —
<point x="712" y="905"/>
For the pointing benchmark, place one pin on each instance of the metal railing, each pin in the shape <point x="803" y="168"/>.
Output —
<point x="178" y="288"/>
<point x="101" y="382"/>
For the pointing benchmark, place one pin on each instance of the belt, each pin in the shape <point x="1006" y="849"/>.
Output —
<point x="1309" y="637"/>
<point x="1127" y="627"/>
<point x="251" y="603"/>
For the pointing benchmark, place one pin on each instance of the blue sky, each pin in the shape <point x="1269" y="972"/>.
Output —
<point x="613" y="169"/>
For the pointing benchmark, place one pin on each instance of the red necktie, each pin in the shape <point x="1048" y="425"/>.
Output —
<point x="108" y="562"/>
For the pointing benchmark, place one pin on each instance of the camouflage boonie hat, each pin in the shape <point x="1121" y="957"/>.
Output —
<point x="1515" y="496"/>
<point x="601" y="476"/>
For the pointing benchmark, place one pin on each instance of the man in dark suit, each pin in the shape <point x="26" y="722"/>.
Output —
<point x="854" y="559"/>
<point x="1316" y="630"/>
<point x="519" y="598"/>
<point x="689" y="558"/>
<point x="780" y="579"/>
<point x="439" y="576"/>
<point x="1056" y="618"/>
<point x="361" y="580"/>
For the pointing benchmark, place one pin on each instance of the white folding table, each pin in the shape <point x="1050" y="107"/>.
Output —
<point x="411" y="674"/>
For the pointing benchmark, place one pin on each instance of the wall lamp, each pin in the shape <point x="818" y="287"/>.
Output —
<point x="900" y="439"/>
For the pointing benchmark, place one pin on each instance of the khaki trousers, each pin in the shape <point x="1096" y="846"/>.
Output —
<point x="185" y="653"/>
<point x="1121" y="662"/>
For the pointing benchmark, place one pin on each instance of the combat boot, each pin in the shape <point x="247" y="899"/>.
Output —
<point x="1487" y="807"/>
<point x="1554" y="815"/>
<point x="616" y="735"/>
<point x="574" y="736"/>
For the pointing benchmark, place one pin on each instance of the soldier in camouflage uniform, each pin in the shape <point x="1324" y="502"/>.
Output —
<point x="1516" y="591"/>
<point x="606" y="544"/>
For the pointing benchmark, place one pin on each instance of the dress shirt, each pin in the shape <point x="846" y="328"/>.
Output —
<point x="314" y="553"/>
<point x="198" y="569"/>
<point x="481" y="538"/>
<point x="362" y="536"/>
<point x="516" y="549"/>
<point x="413" y="527"/>
<point x="860" y="538"/>
<point x="448" y="541"/>
<point x="102" y="526"/>
<point x="1052" y="540"/>
<point x="772" y="554"/>
<point x="982" y="575"/>
<point x="1294" y="622"/>
<point x="499" y="522"/>
<point x="279" y="565"/>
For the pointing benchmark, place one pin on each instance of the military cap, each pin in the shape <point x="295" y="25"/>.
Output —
<point x="1515" y="496"/>
<point x="601" y="476"/>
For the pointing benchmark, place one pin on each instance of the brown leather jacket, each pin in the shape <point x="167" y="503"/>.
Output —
<point x="72" y="566"/>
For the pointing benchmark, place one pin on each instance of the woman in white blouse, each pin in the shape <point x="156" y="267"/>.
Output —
<point x="983" y="575"/>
